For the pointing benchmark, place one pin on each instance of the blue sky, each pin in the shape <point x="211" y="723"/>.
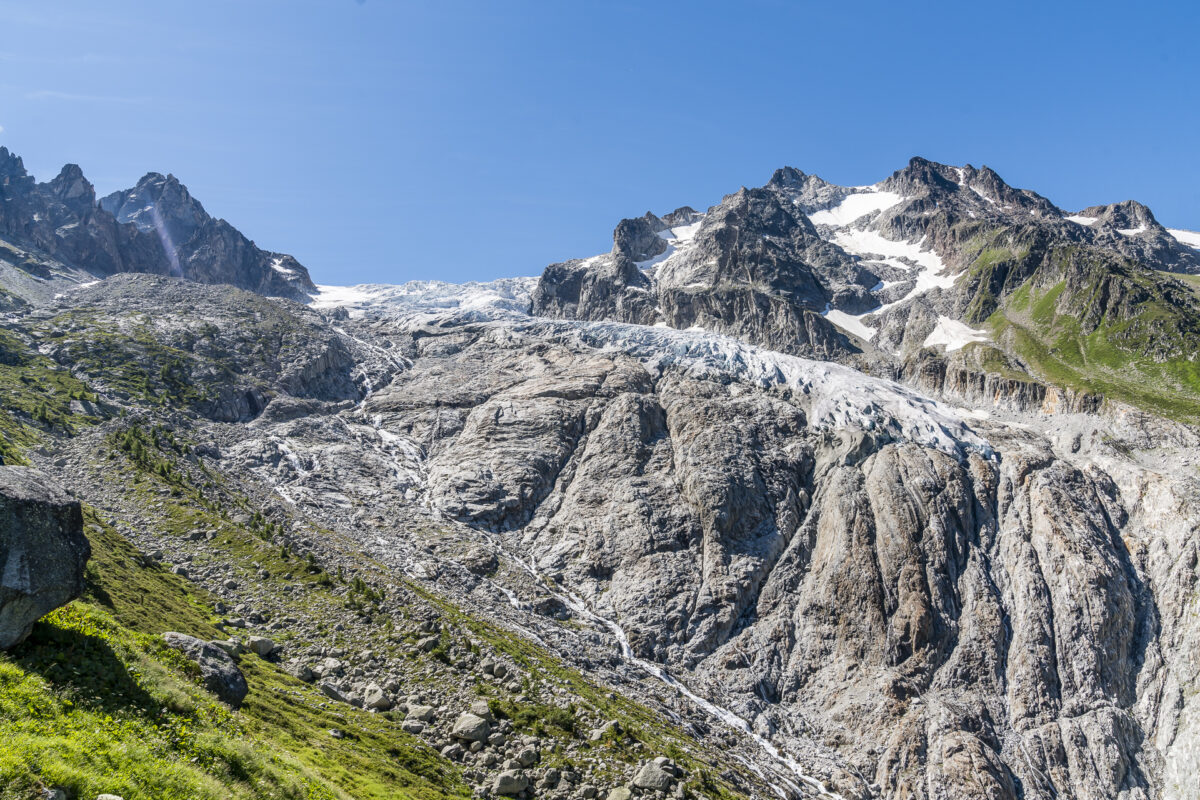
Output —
<point x="386" y="141"/>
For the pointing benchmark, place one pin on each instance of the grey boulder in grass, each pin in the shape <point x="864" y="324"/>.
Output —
<point x="42" y="550"/>
<point x="218" y="670"/>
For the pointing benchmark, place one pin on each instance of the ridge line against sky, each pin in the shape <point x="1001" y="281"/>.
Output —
<point x="383" y="142"/>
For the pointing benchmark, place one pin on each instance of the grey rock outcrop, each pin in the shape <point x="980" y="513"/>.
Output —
<point x="218" y="671"/>
<point x="261" y="646"/>
<point x="756" y="268"/>
<point x="656" y="776"/>
<point x="42" y="550"/>
<point x="510" y="782"/>
<point x="728" y="533"/>
<point x="247" y="351"/>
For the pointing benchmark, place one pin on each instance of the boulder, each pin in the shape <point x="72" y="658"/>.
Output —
<point x="42" y="550"/>
<point x="420" y="712"/>
<point x="657" y="775"/>
<point x="620" y="793"/>
<point x="218" y="670"/>
<point x="510" y="782"/>
<point x="261" y="646"/>
<point x="333" y="692"/>
<point x="480" y="560"/>
<point x="471" y="728"/>
<point x="376" y="699"/>
<point x="481" y="709"/>
<point x="231" y="646"/>
<point x="301" y="671"/>
<point x="598" y="733"/>
<point x="330" y="667"/>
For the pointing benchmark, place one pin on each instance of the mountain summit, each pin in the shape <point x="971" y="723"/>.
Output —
<point x="156" y="227"/>
<point x="916" y="267"/>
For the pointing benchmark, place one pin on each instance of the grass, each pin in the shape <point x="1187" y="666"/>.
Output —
<point x="119" y="712"/>
<point x="93" y="707"/>
<point x="993" y="258"/>
<point x="641" y="730"/>
<point x="126" y="357"/>
<point x="1113" y="356"/>
<point x="36" y="395"/>
<point x="95" y="702"/>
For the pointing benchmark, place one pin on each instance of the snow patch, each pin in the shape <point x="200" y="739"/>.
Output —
<point x="1189" y="238"/>
<point x="334" y="296"/>
<point x="855" y="206"/>
<point x="1079" y="219"/>
<point x="1132" y="231"/>
<point x="685" y="233"/>
<point x="677" y="238"/>
<point x="277" y="265"/>
<point x="849" y="322"/>
<point x="953" y="334"/>
<point x="869" y="244"/>
<point x="929" y="273"/>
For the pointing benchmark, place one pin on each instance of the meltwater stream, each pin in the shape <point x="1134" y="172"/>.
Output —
<point x="724" y="715"/>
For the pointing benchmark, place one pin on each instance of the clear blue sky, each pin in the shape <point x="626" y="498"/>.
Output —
<point x="383" y="141"/>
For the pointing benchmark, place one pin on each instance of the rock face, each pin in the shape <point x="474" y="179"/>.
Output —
<point x="510" y="782"/>
<point x="978" y="619"/>
<point x="218" y="670"/>
<point x="250" y="355"/>
<point x="754" y="267"/>
<point x="156" y="227"/>
<point x="42" y="550"/>
<point x="655" y="776"/>
<point x="200" y="247"/>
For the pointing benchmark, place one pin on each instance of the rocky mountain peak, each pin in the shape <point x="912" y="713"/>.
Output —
<point x="922" y="176"/>
<point x="1127" y="215"/>
<point x="789" y="178"/>
<point x="156" y="227"/>
<point x="684" y="215"/>
<point x="72" y="189"/>
<point x="987" y="183"/>
<point x="637" y="239"/>
<point x="12" y="171"/>
<point x="762" y="212"/>
<point x="809" y="192"/>
<point x="180" y="213"/>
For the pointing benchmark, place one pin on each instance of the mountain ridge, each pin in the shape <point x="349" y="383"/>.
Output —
<point x="865" y="275"/>
<point x="62" y="220"/>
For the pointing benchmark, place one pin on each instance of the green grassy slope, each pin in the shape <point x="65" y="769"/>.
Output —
<point x="1088" y="319"/>
<point x="95" y="702"/>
